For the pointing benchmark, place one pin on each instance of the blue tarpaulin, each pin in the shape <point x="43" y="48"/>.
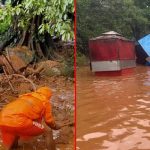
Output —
<point x="145" y="43"/>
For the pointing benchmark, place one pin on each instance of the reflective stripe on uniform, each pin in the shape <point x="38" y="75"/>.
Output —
<point x="37" y="124"/>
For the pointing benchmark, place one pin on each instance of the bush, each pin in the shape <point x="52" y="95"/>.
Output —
<point x="68" y="64"/>
<point x="4" y="25"/>
<point x="81" y="59"/>
<point x="68" y="68"/>
<point x="52" y="72"/>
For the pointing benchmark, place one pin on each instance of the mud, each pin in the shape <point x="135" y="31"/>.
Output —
<point x="63" y="109"/>
<point x="113" y="113"/>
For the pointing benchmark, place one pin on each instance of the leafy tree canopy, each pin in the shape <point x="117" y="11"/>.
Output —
<point x="37" y="24"/>
<point x="131" y="18"/>
<point x="55" y="14"/>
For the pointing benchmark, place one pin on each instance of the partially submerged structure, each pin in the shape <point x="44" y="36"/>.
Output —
<point x="145" y="44"/>
<point x="141" y="55"/>
<point x="112" y="54"/>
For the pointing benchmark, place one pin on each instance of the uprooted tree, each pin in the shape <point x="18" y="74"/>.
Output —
<point x="35" y="23"/>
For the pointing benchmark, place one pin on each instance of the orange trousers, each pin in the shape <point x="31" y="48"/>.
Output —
<point x="10" y="134"/>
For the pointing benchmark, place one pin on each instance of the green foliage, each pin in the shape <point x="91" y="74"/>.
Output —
<point x="55" y="19"/>
<point x="131" y="18"/>
<point x="52" y="72"/>
<point x="5" y="23"/>
<point x="68" y="70"/>
<point x="68" y="65"/>
<point x="81" y="59"/>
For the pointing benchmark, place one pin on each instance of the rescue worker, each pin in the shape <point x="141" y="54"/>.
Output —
<point x="23" y="118"/>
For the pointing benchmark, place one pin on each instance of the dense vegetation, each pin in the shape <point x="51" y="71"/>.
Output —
<point x="131" y="18"/>
<point x="36" y="24"/>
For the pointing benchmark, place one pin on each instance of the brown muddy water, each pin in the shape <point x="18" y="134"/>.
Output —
<point x="113" y="113"/>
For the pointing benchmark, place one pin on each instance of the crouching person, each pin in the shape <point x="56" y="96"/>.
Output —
<point x="23" y="118"/>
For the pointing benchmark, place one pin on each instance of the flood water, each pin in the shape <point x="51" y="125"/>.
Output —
<point x="113" y="113"/>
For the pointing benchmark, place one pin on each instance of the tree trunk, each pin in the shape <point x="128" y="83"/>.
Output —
<point x="30" y="37"/>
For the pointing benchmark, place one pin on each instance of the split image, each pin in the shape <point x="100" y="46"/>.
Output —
<point x="74" y="75"/>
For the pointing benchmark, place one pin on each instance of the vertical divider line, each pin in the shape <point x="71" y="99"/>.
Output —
<point x="75" y="88"/>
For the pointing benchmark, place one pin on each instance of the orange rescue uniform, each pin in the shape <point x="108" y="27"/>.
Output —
<point x="22" y="117"/>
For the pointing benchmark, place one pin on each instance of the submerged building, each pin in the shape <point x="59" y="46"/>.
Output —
<point x="112" y="54"/>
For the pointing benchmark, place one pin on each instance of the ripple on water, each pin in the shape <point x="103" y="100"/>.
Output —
<point x="141" y="106"/>
<point x="144" y="122"/>
<point x="138" y="138"/>
<point x="124" y="109"/>
<point x="93" y="135"/>
<point x="118" y="132"/>
<point x="143" y="101"/>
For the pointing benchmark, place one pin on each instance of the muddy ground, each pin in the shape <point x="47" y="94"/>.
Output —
<point x="63" y="107"/>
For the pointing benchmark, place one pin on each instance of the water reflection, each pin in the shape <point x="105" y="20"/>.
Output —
<point x="113" y="112"/>
<point x="94" y="135"/>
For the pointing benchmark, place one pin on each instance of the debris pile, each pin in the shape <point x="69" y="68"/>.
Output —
<point x="25" y="76"/>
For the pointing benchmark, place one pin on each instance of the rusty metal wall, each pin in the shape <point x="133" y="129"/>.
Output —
<point x="111" y="49"/>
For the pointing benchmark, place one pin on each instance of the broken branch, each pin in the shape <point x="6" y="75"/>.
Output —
<point x="18" y="75"/>
<point x="8" y="79"/>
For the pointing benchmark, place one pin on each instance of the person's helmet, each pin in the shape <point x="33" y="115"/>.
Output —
<point x="46" y="91"/>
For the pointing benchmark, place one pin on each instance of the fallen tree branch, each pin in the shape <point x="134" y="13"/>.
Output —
<point x="26" y="79"/>
<point x="11" y="86"/>
<point x="31" y="71"/>
<point x="9" y="63"/>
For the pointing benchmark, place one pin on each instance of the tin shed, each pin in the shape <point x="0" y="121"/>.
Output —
<point x="145" y="43"/>
<point x="111" y="54"/>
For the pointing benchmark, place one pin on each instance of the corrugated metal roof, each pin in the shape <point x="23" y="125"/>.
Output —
<point x="110" y="35"/>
